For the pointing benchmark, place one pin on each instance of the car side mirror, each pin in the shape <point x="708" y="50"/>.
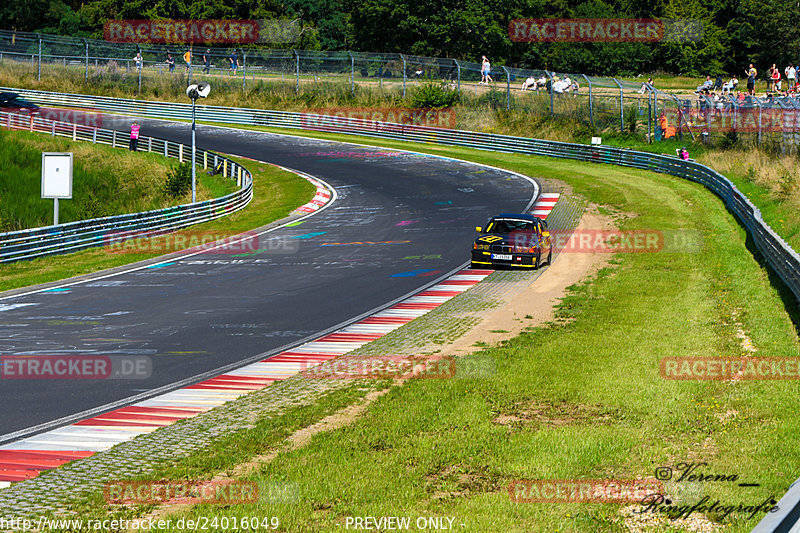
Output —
<point x="479" y="229"/>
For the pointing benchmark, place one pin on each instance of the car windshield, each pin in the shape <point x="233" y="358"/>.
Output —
<point x="509" y="225"/>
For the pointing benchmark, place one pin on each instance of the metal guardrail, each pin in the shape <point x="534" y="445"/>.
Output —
<point x="777" y="253"/>
<point x="79" y="235"/>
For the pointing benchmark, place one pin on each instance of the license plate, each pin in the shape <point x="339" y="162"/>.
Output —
<point x="504" y="257"/>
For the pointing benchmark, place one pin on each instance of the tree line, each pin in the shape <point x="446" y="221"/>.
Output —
<point x="735" y="32"/>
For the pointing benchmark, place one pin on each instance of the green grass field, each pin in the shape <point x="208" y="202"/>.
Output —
<point x="579" y="398"/>
<point x="106" y="181"/>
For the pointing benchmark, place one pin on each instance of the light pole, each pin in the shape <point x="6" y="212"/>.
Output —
<point x="194" y="92"/>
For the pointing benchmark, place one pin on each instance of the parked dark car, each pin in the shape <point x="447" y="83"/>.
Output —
<point x="12" y="102"/>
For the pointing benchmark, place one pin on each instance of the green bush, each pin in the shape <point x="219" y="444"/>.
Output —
<point x="493" y="99"/>
<point x="92" y="207"/>
<point x="433" y="96"/>
<point x="179" y="180"/>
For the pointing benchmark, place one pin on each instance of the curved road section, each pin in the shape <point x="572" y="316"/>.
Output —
<point x="401" y="221"/>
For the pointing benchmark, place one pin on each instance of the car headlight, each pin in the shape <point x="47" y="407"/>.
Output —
<point x="525" y="249"/>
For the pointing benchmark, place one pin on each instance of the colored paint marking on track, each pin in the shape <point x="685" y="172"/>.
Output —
<point x="415" y="273"/>
<point x="309" y="235"/>
<point x="160" y="265"/>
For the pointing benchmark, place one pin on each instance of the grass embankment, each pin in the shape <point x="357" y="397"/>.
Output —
<point x="275" y="194"/>
<point x="106" y="181"/>
<point x="579" y="398"/>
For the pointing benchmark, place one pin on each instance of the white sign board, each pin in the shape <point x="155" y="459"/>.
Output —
<point x="597" y="140"/>
<point x="56" y="174"/>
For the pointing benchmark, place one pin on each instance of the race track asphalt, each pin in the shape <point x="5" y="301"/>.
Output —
<point x="401" y="221"/>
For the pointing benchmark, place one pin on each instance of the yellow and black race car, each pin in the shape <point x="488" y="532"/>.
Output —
<point x="512" y="240"/>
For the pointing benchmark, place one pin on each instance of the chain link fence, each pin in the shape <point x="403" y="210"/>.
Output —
<point x="601" y="104"/>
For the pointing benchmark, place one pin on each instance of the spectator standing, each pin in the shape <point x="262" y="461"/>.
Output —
<point x="791" y="77"/>
<point x="207" y="61"/>
<point x="486" y="69"/>
<point x="137" y="59"/>
<point x="234" y="59"/>
<point x="775" y="76"/>
<point x="171" y="62"/>
<point x="187" y="58"/>
<point x="751" y="79"/>
<point x="134" y="136"/>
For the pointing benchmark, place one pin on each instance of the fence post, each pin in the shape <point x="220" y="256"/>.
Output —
<point x="166" y="148"/>
<point x="114" y="139"/>
<point x="551" y="92"/>
<point x="53" y="129"/>
<point x="758" y="102"/>
<point x="682" y="120"/>
<point x="621" y="108"/>
<point x="94" y="136"/>
<point x="352" y="73"/>
<point x="244" y="70"/>
<point x="508" y="89"/>
<point x="86" y="72"/>
<point x="591" y="105"/>
<point x="149" y="144"/>
<point x="139" y="66"/>
<point x="297" y="71"/>
<point x="458" y="74"/>
<point x="649" y="112"/>
<point x="404" y="75"/>
<point x="39" y="70"/>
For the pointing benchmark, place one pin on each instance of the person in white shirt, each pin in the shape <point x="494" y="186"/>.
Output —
<point x="560" y="86"/>
<point x="528" y="83"/>
<point x="731" y="85"/>
<point x="791" y="75"/>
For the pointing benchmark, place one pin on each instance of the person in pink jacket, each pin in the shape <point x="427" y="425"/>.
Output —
<point x="134" y="136"/>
